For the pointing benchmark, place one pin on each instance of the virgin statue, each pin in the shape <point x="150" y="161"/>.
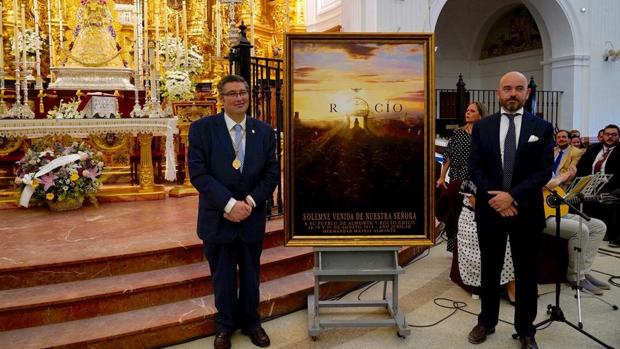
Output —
<point x="94" y="38"/>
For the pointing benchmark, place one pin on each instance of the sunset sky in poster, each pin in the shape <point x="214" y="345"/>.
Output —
<point x="328" y="72"/>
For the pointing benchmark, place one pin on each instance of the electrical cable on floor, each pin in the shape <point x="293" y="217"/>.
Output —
<point x="456" y="306"/>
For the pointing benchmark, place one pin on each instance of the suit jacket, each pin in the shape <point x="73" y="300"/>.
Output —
<point x="210" y="157"/>
<point x="612" y="166"/>
<point x="571" y="157"/>
<point x="532" y="169"/>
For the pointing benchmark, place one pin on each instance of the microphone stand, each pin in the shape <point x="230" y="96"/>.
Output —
<point x="555" y="311"/>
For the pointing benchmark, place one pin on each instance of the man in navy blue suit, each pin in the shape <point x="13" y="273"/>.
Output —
<point x="511" y="159"/>
<point x="232" y="164"/>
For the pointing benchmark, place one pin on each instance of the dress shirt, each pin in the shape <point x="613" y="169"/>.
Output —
<point x="600" y="155"/>
<point x="503" y="128"/>
<point x="230" y="125"/>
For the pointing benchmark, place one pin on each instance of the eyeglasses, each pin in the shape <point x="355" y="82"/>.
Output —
<point x="235" y="94"/>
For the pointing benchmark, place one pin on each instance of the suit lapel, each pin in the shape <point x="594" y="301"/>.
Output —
<point x="251" y="143"/>
<point x="526" y="131"/>
<point x="494" y="139"/>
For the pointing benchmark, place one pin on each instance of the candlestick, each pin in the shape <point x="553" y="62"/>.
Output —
<point x="60" y="26"/>
<point x="50" y="39"/>
<point x="37" y="61"/>
<point x="185" y="35"/>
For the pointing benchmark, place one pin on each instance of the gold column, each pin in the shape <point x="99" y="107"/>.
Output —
<point x="146" y="177"/>
<point x="185" y="189"/>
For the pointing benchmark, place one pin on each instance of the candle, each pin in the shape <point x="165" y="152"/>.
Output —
<point x="15" y="34"/>
<point x="145" y="16"/>
<point x="24" y="52"/>
<point x="157" y="36"/>
<point x="61" y="33"/>
<point x="218" y="35"/>
<point x="49" y="32"/>
<point x="1" y="48"/>
<point x="37" y="51"/>
<point x="176" y="47"/>
<point x="166" y="34"/>
<point x="252" y="23"/>
<point x="185" y="34"/>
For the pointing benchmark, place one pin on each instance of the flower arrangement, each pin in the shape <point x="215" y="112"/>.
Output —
<point x="177" y="86"/>
<point x="66" y="110"/>
<point x="30" y="39"/>
<point x="172" y="50"/>
<point x="59" y="173"/>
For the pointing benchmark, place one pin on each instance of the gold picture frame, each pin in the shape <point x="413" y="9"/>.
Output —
<point x="359" y="139"/>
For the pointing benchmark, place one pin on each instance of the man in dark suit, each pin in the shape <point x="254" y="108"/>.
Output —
<point x="232" y="164"/>
<point x="604" y="157"/>
<point x="511" y="159"/>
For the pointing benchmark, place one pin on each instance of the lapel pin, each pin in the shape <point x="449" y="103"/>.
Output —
<point x="253" y="131"/>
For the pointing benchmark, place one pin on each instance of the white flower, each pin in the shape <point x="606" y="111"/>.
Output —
<point x="31" y="40"/>
<point x="83" y="155"/>
<point x="66" y="110"/>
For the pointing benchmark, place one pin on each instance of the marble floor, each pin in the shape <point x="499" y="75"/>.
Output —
<point x="427" y="296"/>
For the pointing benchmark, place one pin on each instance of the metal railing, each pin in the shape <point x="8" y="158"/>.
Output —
<point x="546" y="104"/>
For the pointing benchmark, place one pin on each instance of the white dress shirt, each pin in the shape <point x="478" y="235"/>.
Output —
<point x="503" y="128"/>
<point x="230" y="125"/>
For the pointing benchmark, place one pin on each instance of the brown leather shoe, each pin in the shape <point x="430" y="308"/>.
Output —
<point x="258" y="336"/>
<point x="222" y="340"/>
<point x="528" y="343"/>
<point x="479" y="333"/>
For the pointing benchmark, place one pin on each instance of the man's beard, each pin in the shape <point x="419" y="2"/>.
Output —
<point x="508" y="107"/>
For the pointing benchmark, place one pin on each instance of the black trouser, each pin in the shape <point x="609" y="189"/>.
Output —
<point x="523" y="244"/>
<point x="235" y="310"/>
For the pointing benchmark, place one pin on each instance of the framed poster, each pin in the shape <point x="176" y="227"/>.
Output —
<point x="359" y="139"/>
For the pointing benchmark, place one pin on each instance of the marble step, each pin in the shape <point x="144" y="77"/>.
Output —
<point x="166" y="324"/>
<point x="171" y="255"/>
<point x="42" y="305"/>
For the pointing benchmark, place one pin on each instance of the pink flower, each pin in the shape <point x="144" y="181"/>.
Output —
<point x="48" y="180"/>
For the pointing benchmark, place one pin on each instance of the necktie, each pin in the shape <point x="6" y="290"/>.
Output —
<point x="510" y="147"/>
<point x="240" y="152"/>
<point x="557" y="161"/>
<point x="599" y="164"/>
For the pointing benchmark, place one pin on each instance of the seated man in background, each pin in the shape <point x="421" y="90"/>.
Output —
<point x="564" y="154"/>
<point x="585" y="240"/>
<point x="605" y="158"/>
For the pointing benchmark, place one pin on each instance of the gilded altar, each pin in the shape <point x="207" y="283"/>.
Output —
<point x="110" y="134"/>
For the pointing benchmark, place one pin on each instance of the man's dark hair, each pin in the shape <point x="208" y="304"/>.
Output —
<point x="612" y="126"/>
<point x="231" y="78"/>
<point x="600" y="132"/>
<point x="560" y="131"/>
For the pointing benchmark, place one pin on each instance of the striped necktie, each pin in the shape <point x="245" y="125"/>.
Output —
<point x="239" y="144"/>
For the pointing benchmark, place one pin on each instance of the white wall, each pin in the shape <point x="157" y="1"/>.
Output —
<point x="573" y="42"/>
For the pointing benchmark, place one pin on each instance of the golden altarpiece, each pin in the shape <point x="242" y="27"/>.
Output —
<point x="126" y="49"/>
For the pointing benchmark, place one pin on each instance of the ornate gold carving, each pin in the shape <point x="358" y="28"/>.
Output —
<point x="110" y="142"/>
<point x="147" y="181"/>
<point x="9" y="145"/>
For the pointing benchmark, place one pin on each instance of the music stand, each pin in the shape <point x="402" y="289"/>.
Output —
<point x="580" y="188"/>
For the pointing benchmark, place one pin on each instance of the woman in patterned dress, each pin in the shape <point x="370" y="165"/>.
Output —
<point x="457" y="156"/>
